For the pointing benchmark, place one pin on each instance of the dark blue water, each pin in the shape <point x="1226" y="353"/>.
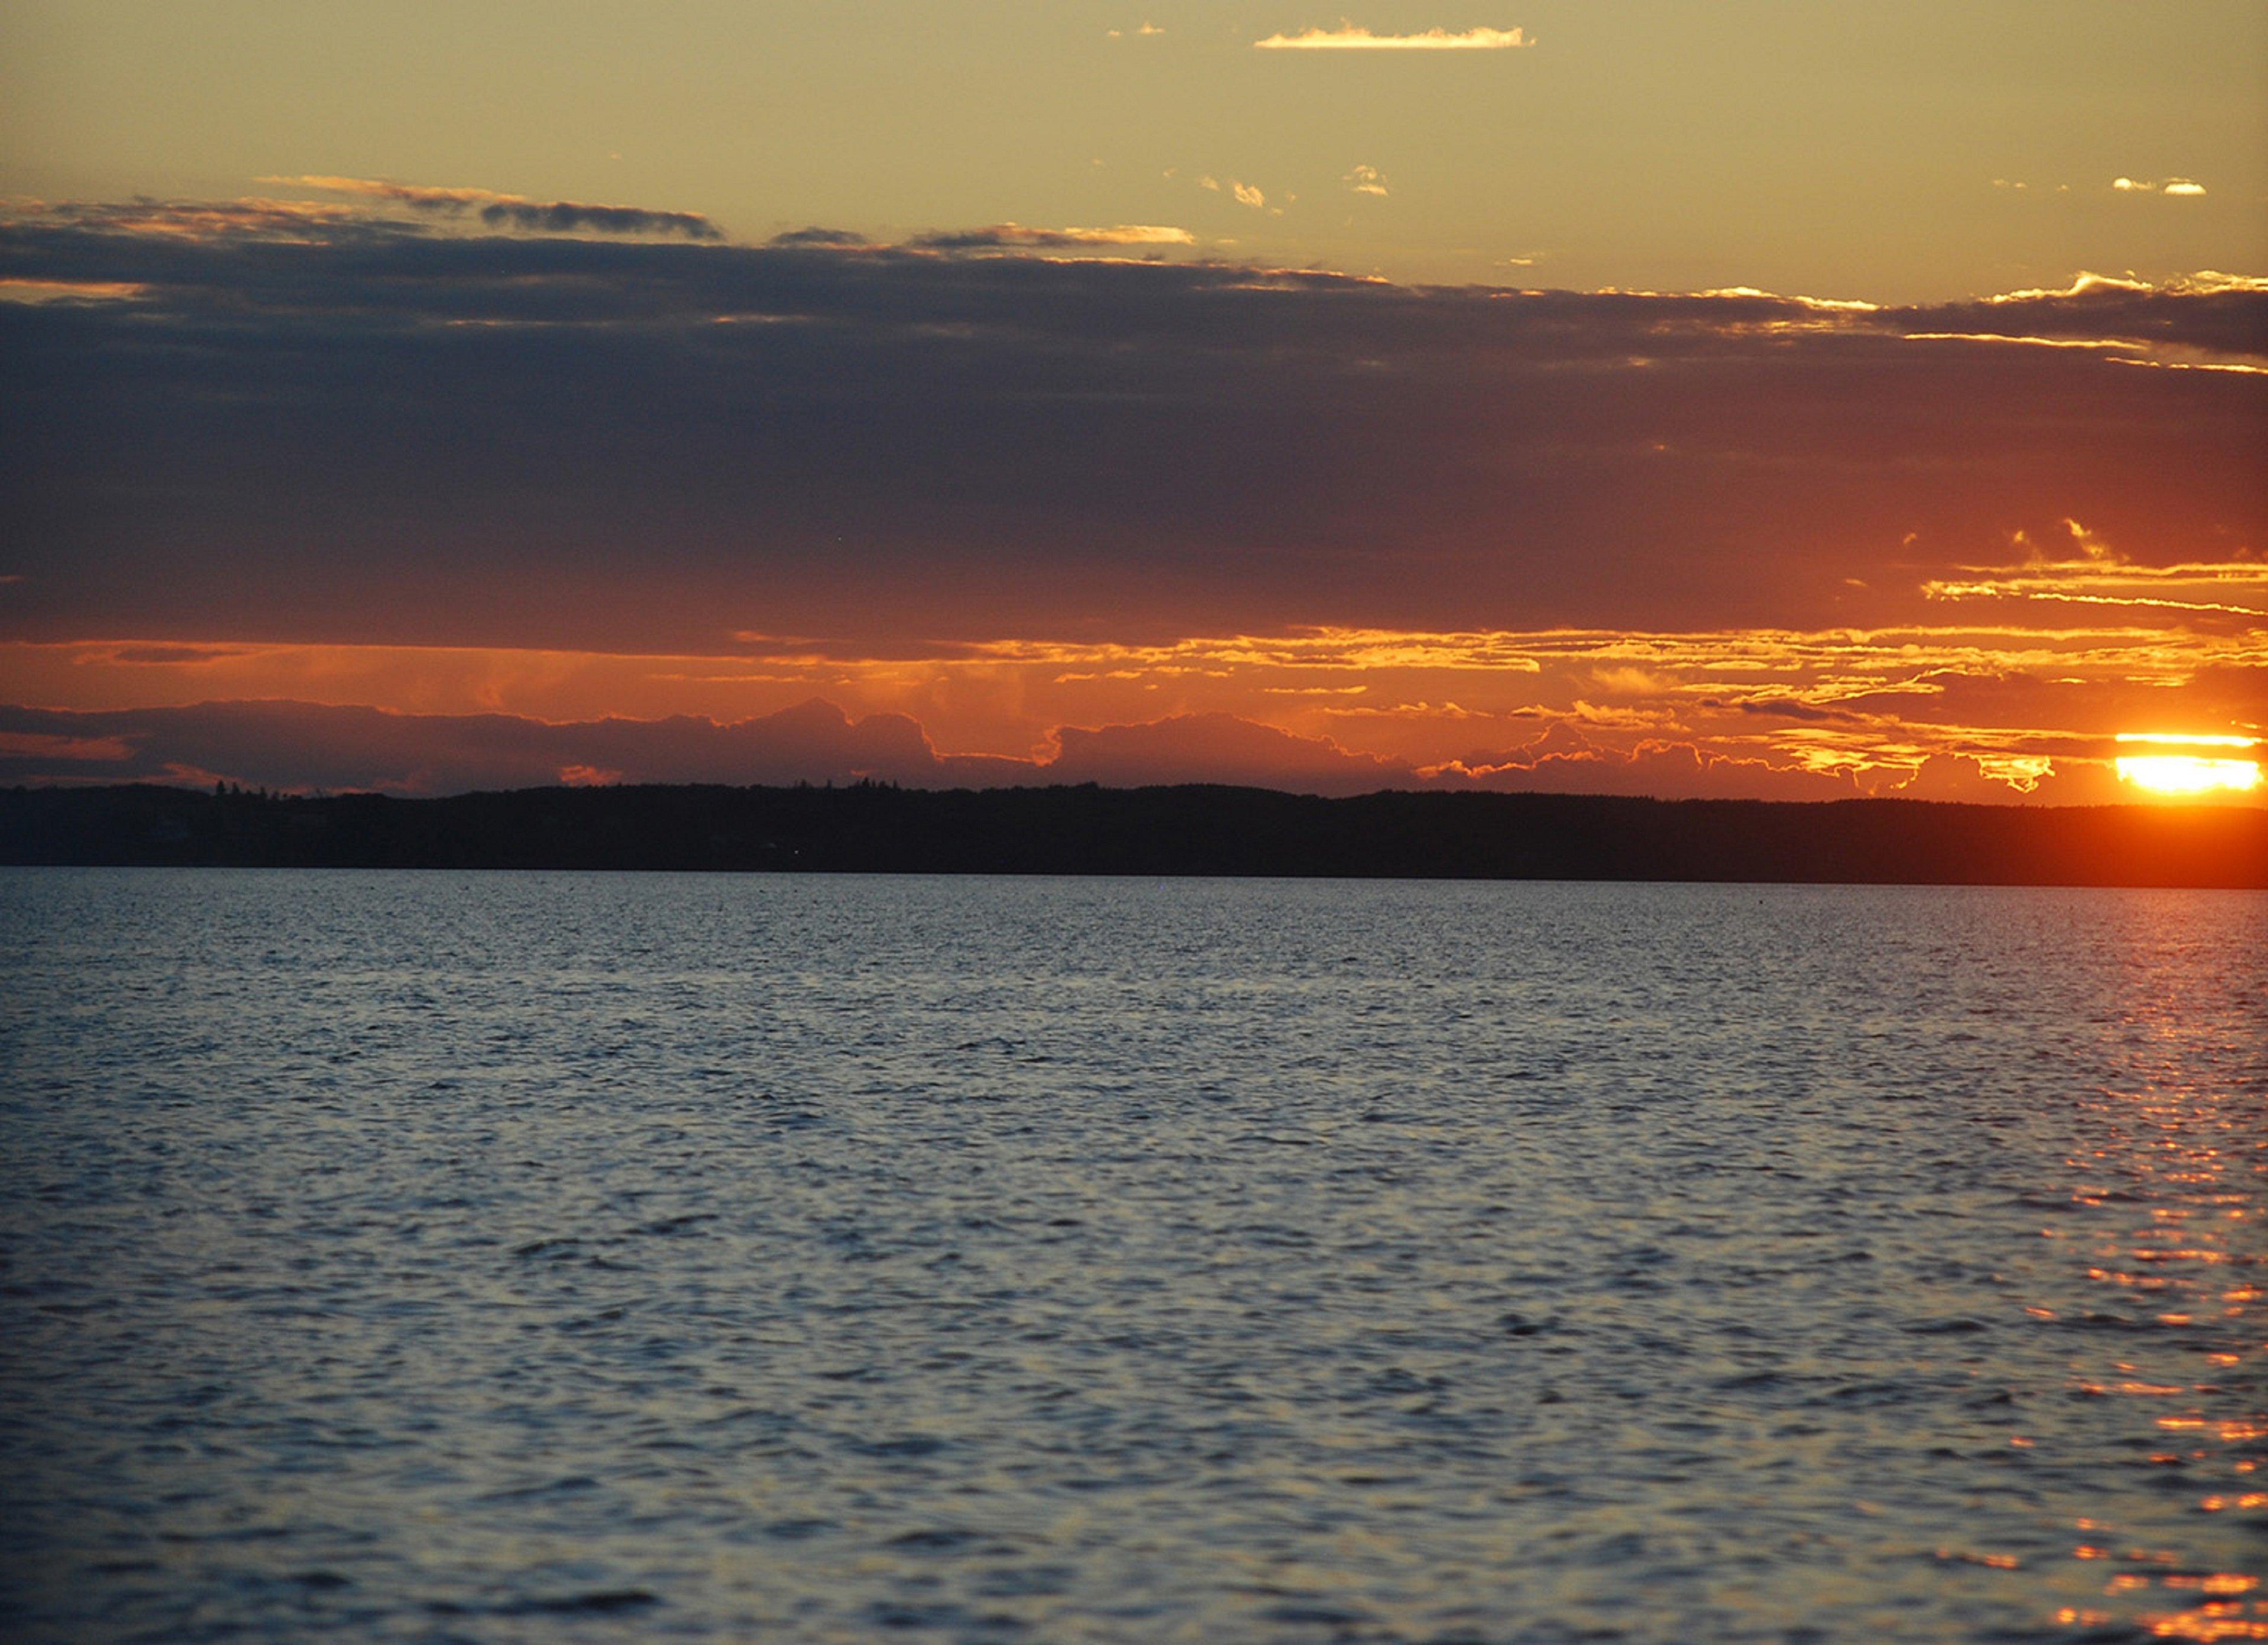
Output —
<point x="560" y="1258"/>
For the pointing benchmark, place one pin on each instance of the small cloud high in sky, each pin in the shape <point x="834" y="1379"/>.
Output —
<point x="1000" y="403"/>
<point x="1244" y="194"/>
<point x="1351" y="37"/>
<point x="2180" y="188"/>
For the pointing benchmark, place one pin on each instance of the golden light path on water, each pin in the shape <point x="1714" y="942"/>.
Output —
<point x="2168" y="1213"/>
<point x="832" y="1257"/>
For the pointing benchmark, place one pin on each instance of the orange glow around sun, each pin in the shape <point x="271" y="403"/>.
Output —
<point x="2179" y="775"/>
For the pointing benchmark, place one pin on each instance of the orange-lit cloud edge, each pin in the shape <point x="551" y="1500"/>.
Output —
<point x="2019" y="694"/>
<point x="1981" y="710"/>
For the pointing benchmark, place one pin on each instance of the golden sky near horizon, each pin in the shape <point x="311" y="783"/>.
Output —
<point x="1929" y="149"/>
<point x="1144" y="391"/>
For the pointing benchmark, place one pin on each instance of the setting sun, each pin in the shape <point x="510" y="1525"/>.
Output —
<point x="2184" y="774"/>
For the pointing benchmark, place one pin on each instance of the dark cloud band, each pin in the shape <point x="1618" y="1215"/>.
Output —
<point x="264" y="421"/>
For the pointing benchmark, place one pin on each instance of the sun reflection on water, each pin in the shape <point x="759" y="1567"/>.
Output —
<point x="2176" y="1176"/>
<point x="1720" y="1265"/>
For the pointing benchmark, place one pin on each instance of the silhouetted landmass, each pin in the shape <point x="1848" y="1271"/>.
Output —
<point x="1158" y="831"/>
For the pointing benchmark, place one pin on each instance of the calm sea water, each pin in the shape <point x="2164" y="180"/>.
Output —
<point x="560" y="1256"/>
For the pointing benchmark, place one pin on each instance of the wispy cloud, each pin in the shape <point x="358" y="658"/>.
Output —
<point x="302" y="222"/>
<point x="567" y="217"/>
<point x="1019" y="237"/>
<point x="1121" y="33"/>
<point x="1337" y="708"/>
<point x="2183" y="187"/>
<point x="68" y="291"/>
<point x="830" y="239"/>
<point x="1365" y="180"/>
<point x="1349" y="37"/>
<point x="424" y="198"/>
<point x="517" y="211"/>
<point x="2091" y="572"/>
<point x="2088" y="582"/>
<point x="1243" y="194"/>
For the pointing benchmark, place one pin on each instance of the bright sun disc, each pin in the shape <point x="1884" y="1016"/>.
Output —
<point x="2188" y="773"/>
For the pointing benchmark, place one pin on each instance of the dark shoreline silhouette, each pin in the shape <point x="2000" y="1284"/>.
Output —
<point x="1195" y="830"/>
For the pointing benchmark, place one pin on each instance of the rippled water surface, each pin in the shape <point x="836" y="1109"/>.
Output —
<point x="561" y="1257"/>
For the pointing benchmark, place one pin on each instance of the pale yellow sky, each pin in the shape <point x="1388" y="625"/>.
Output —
<point x="1926" y="149"/>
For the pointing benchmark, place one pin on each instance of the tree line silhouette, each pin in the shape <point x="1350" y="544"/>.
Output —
<point x="879" y="828"/>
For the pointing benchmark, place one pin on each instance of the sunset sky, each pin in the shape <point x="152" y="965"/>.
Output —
<point x="1772" y="399"/>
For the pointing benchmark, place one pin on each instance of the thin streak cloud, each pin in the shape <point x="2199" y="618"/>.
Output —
<point x="1349" y="37"/>
<point x="1017" y="237"/>
<point x="517" y="211"/>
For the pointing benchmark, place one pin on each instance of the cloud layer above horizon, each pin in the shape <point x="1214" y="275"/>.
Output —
<point x="1087" y="477"/>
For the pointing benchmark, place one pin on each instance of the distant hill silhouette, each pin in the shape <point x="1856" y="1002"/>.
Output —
<point x="1154" y="831"/>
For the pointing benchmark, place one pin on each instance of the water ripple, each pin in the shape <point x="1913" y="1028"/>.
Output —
<point x="540" y="1257"/>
